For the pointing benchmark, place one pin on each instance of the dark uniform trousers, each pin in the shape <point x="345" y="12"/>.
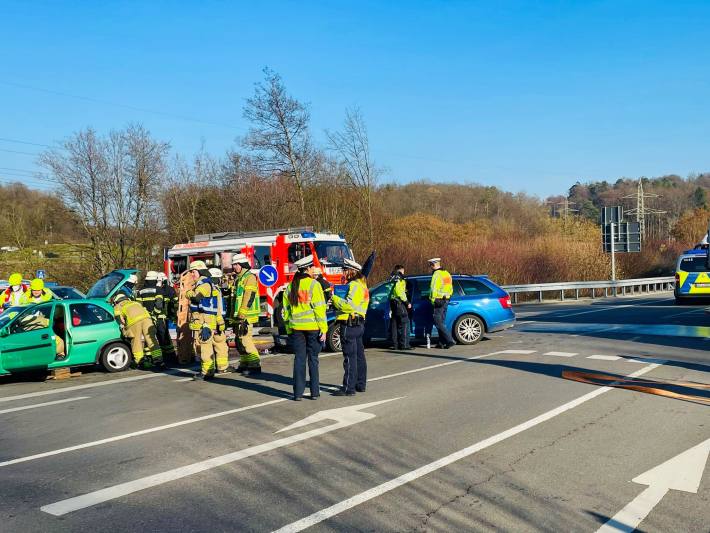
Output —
<point x="354" y="362"/>
<point x="306" y="347"/>
<point x="439" y="316"/>
<point x="399" y="325"/>
<point x="163" y="334"/>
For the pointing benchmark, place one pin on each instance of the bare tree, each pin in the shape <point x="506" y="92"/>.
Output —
<point x="111" y="184"/>
<point x="279" y="134"/>
<point x="81" y="168"/>
<point x="353" y="146"/>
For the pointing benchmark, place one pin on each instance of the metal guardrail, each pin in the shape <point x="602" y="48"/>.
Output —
<point x="623" y="286"/>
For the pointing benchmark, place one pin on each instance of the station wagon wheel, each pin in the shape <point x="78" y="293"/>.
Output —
<point x="332" y="338"/>
<point x="115" y="357"/>
<point x="468" y="329"/>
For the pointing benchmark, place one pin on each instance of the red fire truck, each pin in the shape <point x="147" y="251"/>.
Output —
<point x="280" y="248"/>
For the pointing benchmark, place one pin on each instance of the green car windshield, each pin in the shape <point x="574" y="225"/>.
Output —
<point x="105" y="285"/>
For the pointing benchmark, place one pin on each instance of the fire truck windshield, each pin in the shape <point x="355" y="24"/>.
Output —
<point x="332" y="251"/>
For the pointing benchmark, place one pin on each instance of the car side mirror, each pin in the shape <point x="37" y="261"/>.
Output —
<point x="4" y="332"/>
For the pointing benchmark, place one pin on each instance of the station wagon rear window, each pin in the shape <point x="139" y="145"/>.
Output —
<point x="693" y="264"/>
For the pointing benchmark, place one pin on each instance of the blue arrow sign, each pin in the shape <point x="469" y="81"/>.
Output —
<point x="268" y="276"/>
<point x="40" y="274"/>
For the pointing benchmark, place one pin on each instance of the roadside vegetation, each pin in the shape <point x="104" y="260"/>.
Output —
<point x="121" y="196"/>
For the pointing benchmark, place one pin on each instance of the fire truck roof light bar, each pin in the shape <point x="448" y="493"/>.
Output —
<point x="246" y="234"/>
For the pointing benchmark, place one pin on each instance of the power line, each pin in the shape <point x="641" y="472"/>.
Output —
<point x="25" y="142"/>
<point x="17" y="152"/>
<point x="116" y="104"/>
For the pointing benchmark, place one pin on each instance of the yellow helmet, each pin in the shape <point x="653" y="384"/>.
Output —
<point x="37" y="284"/>
<point x="15" y="279"/>
<point x="198" y="265"/>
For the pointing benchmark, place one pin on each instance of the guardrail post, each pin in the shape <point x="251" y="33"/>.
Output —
<point x="576" y="294"/>
<point x="562" y="295"/>
<point x="539" y="296"/>
<point x="593" y="291"/>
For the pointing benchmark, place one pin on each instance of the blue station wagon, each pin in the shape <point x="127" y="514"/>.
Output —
<point x="478" y="306"/>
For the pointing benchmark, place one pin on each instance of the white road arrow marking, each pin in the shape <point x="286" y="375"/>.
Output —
<point x="345" y="416"/>
<point x="682" y="472"/>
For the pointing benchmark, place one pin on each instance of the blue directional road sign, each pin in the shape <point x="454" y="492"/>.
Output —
<point x="268" y="276"/>
<point x="40" y="274"/>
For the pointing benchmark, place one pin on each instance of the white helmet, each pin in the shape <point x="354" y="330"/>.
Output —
<point x="161" y="276"/>
<point x="215" y="273"/>
<point x="151" y="275"/>
<point x="240" y="259"/>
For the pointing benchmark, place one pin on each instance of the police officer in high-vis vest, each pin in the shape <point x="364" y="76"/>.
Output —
<point x="207" y="322"/>
<point x="138" y="328"/>
<point x="441" y="289"/>
<point x="244" y="314"/>
<point x="304" y="312"/>
<point x="351" y="312"/>
<point x="399" y="310"/>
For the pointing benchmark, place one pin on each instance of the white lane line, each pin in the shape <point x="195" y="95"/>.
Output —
<point x="604" y="357"/>
<point x="137" y="433"/>
<point x="213" y="415"/>
<point x="82" y="387"/>
<point x="521" y="352"/>
<point x="610" y="308"/>
<point x="646" y="360"/>
<point x="388" y="486"/>
<point x="561" y="354"/>
<point x="45" y="404"/>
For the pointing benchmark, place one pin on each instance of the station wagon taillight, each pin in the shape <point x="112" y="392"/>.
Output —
<point x="505" y="302"/>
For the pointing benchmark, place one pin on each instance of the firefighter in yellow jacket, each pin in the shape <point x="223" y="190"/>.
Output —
<point x="207" y="323"/>
<point x="138" y="328"/>
<point x="244" y="314"/>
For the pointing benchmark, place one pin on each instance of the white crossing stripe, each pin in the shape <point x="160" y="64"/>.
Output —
<point x="45" y="404"/>
<point x="86" y="386"/>
<point x="408" y="477"/>
<point x="522" y="352"/>
<point x="604" y="357"/>
<point x="561" y="354"/>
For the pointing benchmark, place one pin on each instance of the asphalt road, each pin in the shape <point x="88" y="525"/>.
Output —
<point x="508" y="434"/>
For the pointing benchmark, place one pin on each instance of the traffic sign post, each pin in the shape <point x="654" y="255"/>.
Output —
<point x="268" y="275"/>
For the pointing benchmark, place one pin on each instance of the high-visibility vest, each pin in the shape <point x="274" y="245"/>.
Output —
<point x="442" y="286"/>
<point x="245" y="298"/>
<point x="399" y="291"/>
<point x="203" y="311"/>
<point x="28" y="299"/>
<point x="356" y="301"/>
<point x="131" y="312"/>
<point x="11" y="298"/>
<point x="309" y="314"/>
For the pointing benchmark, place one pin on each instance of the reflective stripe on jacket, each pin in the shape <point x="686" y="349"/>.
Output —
<point x="246" y="298"/>
<point x="130" y="312"/>
<point x="356" y="301"/>
<point x="442" y="285"/>
<point x="205" y="310"/>
<point x="309" y="314"/>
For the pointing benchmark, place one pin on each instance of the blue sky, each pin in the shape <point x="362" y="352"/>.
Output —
<point x="527" y="96"/>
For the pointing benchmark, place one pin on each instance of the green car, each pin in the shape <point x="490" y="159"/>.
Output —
<point x="86" y="330"/>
